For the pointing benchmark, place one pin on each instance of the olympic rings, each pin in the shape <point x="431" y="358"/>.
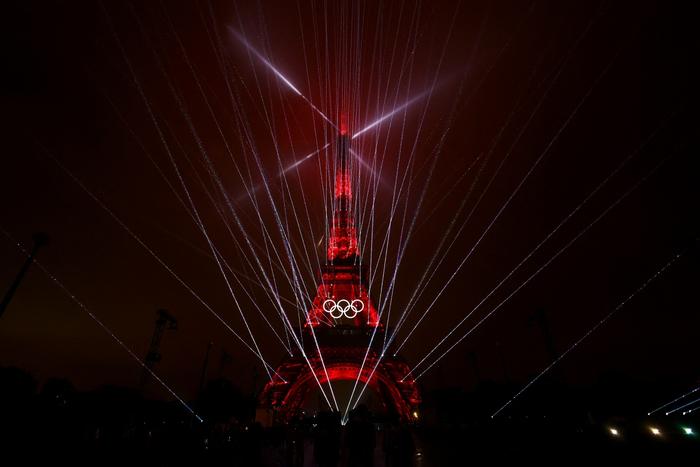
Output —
<point x="343" y="307"/>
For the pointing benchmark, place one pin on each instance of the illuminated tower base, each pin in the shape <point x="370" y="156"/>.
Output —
<point x="343" y="352"/>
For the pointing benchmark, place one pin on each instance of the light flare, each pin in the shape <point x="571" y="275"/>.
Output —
<point x="278" y="73"/>
<point x="394" y="111"/>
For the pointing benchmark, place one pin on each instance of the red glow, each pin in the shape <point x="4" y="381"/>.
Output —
<point x="342" y="242"/>
<point x="404" y="397"/>
<point x="343" y="124"/>
<point x="343" y="186"/>
<point x="343" y="280"/>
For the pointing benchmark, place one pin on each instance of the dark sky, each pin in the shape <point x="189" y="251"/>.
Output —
<point x="502" y="69"/>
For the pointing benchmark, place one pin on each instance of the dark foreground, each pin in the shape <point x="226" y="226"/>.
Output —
<point x="359" y="443"/>
<point x="58" y="425"/>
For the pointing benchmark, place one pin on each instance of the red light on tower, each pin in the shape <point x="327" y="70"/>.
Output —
<point x="343" y="277"/>
<point x="343" y="124"/>
<point x="342" y="245"/>
<point x="339" y="318"/>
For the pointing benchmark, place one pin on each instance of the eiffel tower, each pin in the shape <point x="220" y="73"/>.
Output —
<point x="339" y="327"/>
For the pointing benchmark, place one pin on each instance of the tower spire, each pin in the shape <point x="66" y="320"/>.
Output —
<point x="342" y="296"/>
<point x="342" y="243"/>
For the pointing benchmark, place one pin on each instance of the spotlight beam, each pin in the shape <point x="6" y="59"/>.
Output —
<point x="592" y="330"/>
<point x="365" y="165"/>
<point x="149" y="108"/>
<point x="216" y="178"/>
<point x="689" y="411"/>
<point x="284" y="171"/>
<point x="432" y="265"/>
<point x="103" y="326"/>
<point x="285" y="242"/>
<point x="568" y="217"/>
<point x="683" y="406"/>
<point x="683" y="396"/>
<point x="533" y="275"/>
<point x="177" y="196"/>
<point x="279" y="74"/>
<point x="537" y="161"/>
<point x="145" y="246"/>
<point x="395" y="202"/>
<point x="396" y="110"/>
<point x="218" y="126"/>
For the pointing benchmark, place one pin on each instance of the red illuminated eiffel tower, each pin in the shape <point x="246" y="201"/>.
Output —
<point x="339" y="327"/>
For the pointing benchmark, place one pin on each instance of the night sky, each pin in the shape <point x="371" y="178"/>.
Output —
<point x="508" y="76"/>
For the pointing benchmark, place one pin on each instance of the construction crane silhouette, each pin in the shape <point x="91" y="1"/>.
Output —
<point x="164" y="322"/>
<point x="40" y="239"/>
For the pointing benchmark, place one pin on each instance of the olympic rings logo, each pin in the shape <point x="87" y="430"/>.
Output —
<point x="343" y="307"/>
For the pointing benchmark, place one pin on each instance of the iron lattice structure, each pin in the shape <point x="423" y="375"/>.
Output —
<point x="342" y="342"/>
